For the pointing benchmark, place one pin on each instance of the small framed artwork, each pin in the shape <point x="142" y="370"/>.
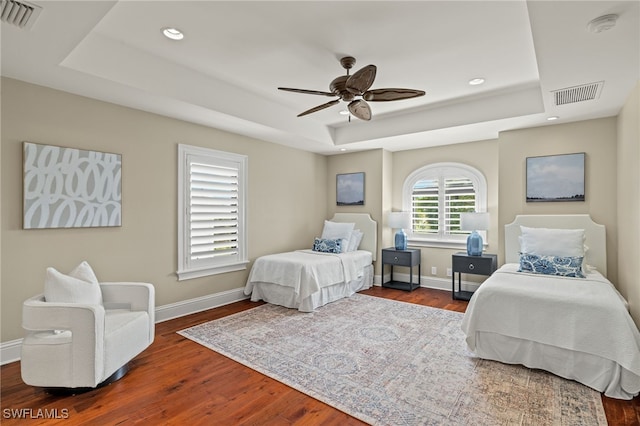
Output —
<point x="555" y="178"/>
<point x="350" y="189"/>
<point x="71" y="188"/>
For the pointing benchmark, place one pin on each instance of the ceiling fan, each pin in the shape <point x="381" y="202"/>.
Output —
<point x="355" y="90"/>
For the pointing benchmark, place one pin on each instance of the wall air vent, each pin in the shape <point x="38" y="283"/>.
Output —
<point x="585" y="92"/>
<point x="19" y="13"/>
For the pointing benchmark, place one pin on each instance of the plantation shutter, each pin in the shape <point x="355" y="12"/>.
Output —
<point x="212" y="199"/>
<point x="436" y="205"/>
<point x="436" y="194"/>
<point x="459" y="197"/>
<point x="424" y="207"/>
<point x="213" y="210"/>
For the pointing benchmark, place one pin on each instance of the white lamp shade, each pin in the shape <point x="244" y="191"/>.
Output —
<point x="474" y="221"/>
<point x="399" y="220"/>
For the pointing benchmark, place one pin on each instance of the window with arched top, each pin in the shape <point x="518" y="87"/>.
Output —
<point x="435" y="195"/>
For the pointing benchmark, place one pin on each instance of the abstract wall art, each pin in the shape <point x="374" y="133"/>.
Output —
<point x="555" y="178"/>
<point x="71" y="188"/>
<point x="350" y="189"/>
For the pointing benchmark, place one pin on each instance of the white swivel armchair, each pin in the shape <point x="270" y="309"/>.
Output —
<point x="80" y="345"/>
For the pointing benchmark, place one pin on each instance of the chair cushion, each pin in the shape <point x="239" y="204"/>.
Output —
<point x="126" y="334"/>
<point x="80" y="286"/>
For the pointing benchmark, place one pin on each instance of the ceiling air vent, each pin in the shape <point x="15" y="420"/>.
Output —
<point x="585" y="92"/>
<point x="19" y="13"/>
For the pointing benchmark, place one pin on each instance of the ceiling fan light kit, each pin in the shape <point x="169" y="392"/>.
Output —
<point x="355" y="90"/>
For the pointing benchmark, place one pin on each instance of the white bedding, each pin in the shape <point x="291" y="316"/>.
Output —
<point x="582" y="316"/>
<point x="306" y="272"/>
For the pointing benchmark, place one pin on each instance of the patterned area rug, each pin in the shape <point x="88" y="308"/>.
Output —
<point x="394" y="363"/>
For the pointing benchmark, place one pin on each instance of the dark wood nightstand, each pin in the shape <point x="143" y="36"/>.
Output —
<point x="461" y="262"/>
<point x="409" y="258"/>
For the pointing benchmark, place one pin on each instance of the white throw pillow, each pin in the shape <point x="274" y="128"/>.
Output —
<point x="84" y="272"/>
<point x="80" y="286"/>
<point x="356" y="238"/>
<point x="338" y="230"/>
<point x="552" y="242"/>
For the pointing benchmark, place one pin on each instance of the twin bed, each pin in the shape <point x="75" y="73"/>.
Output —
<point x="578" y="328"/>
<point x="308" y="279"/>
<point x="562" y="316"/>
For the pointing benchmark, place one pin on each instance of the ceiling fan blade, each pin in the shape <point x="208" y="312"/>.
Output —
<point x="360" y="109"/>
<point x="361" y="80"/>
<point x="308" y="92"/>
<point x="383" y="95"/>
<point x="319" y="107"/>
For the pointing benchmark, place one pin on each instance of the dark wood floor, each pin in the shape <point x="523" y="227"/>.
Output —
<point x="177" y="381"/>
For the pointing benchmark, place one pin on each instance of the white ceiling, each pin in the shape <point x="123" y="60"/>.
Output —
<point x="235" y="54"/>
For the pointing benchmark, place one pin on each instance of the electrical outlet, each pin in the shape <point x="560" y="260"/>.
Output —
<point x="434" y="270"/>
<point x="448" y="272"/>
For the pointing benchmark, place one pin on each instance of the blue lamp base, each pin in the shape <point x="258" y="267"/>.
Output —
<point x="474" y="244"/>
<point x="401" y="240"/>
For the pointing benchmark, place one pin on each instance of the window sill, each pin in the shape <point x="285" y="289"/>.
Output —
<point x="211" y="270"/>
<point x="443" y="244"/>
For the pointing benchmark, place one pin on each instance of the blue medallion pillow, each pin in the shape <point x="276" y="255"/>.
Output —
<point x="327" y="245"/>
<point x="551" y="265"/>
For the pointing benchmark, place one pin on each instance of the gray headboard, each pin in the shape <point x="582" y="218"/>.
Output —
<point x="596" y="237"/>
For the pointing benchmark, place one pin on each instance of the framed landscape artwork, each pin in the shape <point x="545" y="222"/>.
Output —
<point x="71" y="188"/>
<point x="555" y="178"/>
<point x="350" y="189"/>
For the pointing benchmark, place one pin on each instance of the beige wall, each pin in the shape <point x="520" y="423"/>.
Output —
<point x="369" y="162"/>
<point x="290" y="192"/>
<point x="503" y="163"/>
<point x="628" y="197"/>
<point x="597" y="139"/>
<point x="481" y="155"/>
<point x="287" y="197"/>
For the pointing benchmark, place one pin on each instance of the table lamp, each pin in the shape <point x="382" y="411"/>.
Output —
<point x="474" y="222"/>
<point x="400" y="220"/>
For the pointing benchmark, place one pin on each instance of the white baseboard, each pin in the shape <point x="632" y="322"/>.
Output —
<point x="429" y="282"/>
<point x="10" y="351"/>
<point x="199" y="304"/>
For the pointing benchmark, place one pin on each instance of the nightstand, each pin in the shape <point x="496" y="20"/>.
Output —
<point x="409" y="258"/>
<point x="461" y="262"/>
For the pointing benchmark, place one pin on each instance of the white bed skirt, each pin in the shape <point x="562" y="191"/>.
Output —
<point x="285" y="296"/>
<point x="598" y="373"/>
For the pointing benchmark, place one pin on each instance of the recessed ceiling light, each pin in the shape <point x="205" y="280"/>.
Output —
<point x="553" y="117"/>
<point x="344" y="112"/>
<point x="173" y="33"/>
<point x="476" y="81"/>
<point x="343" y="149"/>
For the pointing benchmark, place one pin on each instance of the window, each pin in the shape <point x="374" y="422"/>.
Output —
<point x="211" y="212"/>
<point x="436" y="195"/>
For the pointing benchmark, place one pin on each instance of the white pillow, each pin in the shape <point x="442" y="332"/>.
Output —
<point x="552" y="242"/>
<point x="338" y="230"/>
<point x="356" y="238"/>
<point x="84" y="272"/>
<point x="80" y="286"/>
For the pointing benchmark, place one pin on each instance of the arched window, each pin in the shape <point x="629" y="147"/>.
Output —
<point x="436" y="194"/>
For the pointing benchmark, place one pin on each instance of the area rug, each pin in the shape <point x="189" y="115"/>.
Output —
<point x="394" y="363"/>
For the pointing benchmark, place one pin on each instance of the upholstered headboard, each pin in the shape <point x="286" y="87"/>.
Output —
<point x="364" y="223"/>
<point x="596" y="238"/>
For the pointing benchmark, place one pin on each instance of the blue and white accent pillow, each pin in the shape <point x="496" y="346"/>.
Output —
<point x="327" y="245"/>
<point x="551" y="265"/>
